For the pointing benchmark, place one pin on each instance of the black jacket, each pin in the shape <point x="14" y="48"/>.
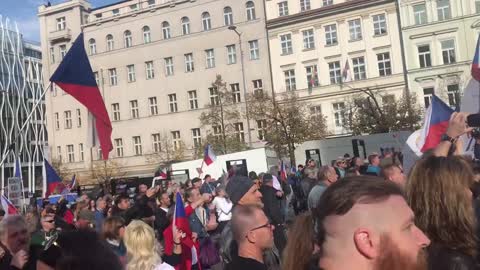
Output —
<point x="161" y="222"/>
<point x="442" y="258"/>
<point x="272" y="205"/>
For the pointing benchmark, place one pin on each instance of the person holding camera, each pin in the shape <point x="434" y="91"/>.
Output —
<point x="47" y="231"/>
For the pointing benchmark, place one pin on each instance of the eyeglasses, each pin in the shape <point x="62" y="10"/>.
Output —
<point x="268" y="225"/>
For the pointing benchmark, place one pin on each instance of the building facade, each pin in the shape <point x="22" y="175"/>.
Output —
<point x="154" y="62"/>
<point x="21" y="94"/>
<point x="440" y="38"/>
<point x="313" y="42"/>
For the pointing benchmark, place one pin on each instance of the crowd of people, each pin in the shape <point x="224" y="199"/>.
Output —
<point x="352" y="214"/>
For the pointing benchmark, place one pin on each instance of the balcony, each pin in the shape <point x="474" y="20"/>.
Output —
<point x="60" y="36"/>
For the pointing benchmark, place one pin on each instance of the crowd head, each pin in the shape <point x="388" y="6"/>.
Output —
<point x="243" y="191"/>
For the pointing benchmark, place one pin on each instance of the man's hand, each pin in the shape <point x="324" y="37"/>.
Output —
<point x="206" y="197"/>
<point x="178" y="235"/>
<point x="457" y="126"/>
<point x="20" y="259"/>
<point x="151" y="192"/>
<point x="194" y="236"/>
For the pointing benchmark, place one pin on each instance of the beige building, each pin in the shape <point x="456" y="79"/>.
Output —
<point x="311" y="43"/>
<point x="440" y="38"/>
<point x="154" y="61"/>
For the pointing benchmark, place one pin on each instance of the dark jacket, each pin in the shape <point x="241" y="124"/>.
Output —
<point x="161" y="222"/>
<point x="5" y="261"/>
<point x="196" y="225"/>
<point x="209" y="187"/>
<point x="443" y="258"/>
<point x="272" y="205"/>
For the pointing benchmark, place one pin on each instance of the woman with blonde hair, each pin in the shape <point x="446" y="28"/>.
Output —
<point x="438" y="191"/>
<point x="143" y="250"/>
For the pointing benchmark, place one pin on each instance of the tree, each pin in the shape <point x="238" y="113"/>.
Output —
<point x="375" y="113"/>
<point x="221" y="115"/>
<point x="62" y="171"/>
<point x="167" y="153"/>
<point x="286" y="122"/>
<point x="104" y="171"/>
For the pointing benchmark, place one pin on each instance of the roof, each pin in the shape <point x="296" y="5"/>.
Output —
<point x="112" y="4"/>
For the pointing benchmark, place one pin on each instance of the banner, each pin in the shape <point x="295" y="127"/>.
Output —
<point x="15" y="192"/>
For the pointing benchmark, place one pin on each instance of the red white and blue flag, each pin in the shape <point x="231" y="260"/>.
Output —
<point x="435" y="125"/>
<point x="8" y="206"/>
<point x="476" y="62"/>
<point x="52" y="178"/>
<point x="283" y="171"/>
<point x="75" y="76"/>
<point x="209" y="156"/>
<point x="180" y="220"/>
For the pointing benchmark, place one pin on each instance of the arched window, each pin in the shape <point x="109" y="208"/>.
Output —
<point x="206" y="21"/>
<point x="185" y="25"/>
<point x="127" y="35"/>
<point x="92" y="46"/>
<point x="250" y="11"/>
<point x="110" y="45"/>
<point x="227" y="16"/>
<point x="166" y="30"/>
<point x="146" y="35"/>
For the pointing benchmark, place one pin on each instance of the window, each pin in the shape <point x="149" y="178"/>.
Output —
<point x="312" y="76"/>
<point x="335" y="73"/>
<point x="355" y="28"/>
<point x="331" y="34"/>
<point x="137" y="145"/>
<point x="257" y="87"/>
<point x="283" y="8"/>
<point x="110" y="44"/>
<point x="112" y="74"/>
<point x="384" y="64"/>
<point x="157" y="146"/>
<point x="119" y="147"/>
<point x="453" y="92"/>
<point x="286" y="43"/>
<point x="239" y="135"/>
<point x="308" y="39"/>
<point x="63" y="51"/>
<point x="477" y="6"/>
<point x="235" y="87"/>
<point x="379" y="24"/>
<point x="189" y="62"/>
<point x="57" y="121"/>
<point x="448" y="51"/>
<point x="206" y="21"/>
<point x="338" y="110"/>
<point x="134" y="7"/>
<point x="59" y="153"/>
<point x="327" y="2"/>
<point x="99" y="153"/>
<point x="316" y="110"/>
<point x="176" y="140"/>
<point x="116" y="111"/>
<point x="261" y="128"/>
<point x="68" y="119"/>
<point x="217" y="132"/>
<point x="290" y="82"/>
<point x="305" y="5"/>
<point x="359" y="71"/>
<point x="192" y="99"/>
<point x="424" y="57"/>
<point x="134" y="109"/>
<point x="97" y="78"/>
<point x="231" y="54"/>
<point x="92" y="45"/>
<point x="388" y="99"/>
<point x="147" y="38"/>
<point x="149" y="70"/>
<point x="166" y="30"/>
<point x="214" y="98"/>
<point x="185" y="26"/>
<point x="168" y="66"/>
<point x="254" y="51"/>
<point x="151" y="3"/>
<point x="172" y="102"/>
<point x="197" y="138"/>
<point x="427" y="96"/>
<point x="210" y="58"/>
<point x="227" y="16"/>
<point x="131" y="73"/>
<point x="153" y="105"/>
<point x="127" y="37"/>
<point x="52" y="55"/>
<point x="443" y="10"/>
<point x="80" y="149"/>
<point x="61" y="23"/>
<point x="420" y="14"/>
<point x="116" y="12"/>
<point x="70" y="153"/>
<point x="79" y="118"/>
<point x="250" y="11"/>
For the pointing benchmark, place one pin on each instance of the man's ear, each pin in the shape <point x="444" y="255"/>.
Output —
<point x="366" y="243"/>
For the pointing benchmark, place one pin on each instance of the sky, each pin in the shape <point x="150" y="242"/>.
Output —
<point x="24" y="13"/>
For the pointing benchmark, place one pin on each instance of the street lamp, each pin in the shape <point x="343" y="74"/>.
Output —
<point x="234" y="28"/>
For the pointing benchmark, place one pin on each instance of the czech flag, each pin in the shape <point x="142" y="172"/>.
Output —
<point x="476" y="62"/>
<point x="53" y="180"/>
<point x="209" y="156"/>
<point x="75" y="76"/>
<point x="8" y="206"/>
<point x="180" y="220"/>
<point x="435" y="125"/>
<point x="283" y="172"/>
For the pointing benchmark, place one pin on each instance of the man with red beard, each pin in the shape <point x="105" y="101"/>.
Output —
<point x="365" y="223"/>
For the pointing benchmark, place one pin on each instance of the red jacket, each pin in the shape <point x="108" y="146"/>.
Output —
<point x="187" y="244"/>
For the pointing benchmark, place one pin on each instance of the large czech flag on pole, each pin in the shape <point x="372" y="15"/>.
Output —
<point x="209" y="156"/>
<point x="180" y="219"/>
<point x="435" y="125"/>
<point x="75" y="76"/>
<point x="52" y="178"/>
<point x="476" y="62"/>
